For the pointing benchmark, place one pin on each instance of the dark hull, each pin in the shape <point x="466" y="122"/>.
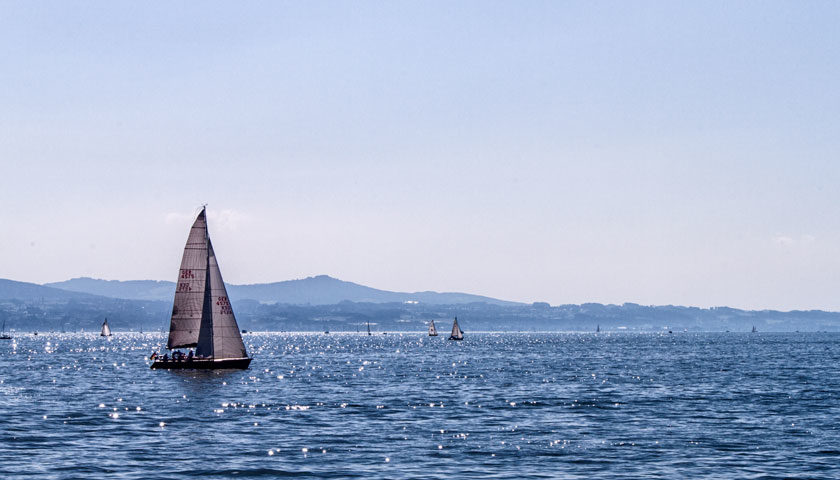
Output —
<point x="453" y="338"/>
<point x="203" y="364"/>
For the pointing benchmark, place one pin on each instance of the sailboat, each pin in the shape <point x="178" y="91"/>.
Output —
<point x="598" y="329"/>
<point x="368" y="325"/>
<point x="202" y="316"/>
<point x="106" y="330"/>
<point x="3" y="334"/>
<point x="754" y="330"/>
<point x="457" y="334"/>
<point x="432" y="329"/>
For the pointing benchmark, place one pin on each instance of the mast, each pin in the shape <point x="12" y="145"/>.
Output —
<point x="204" y="343"/>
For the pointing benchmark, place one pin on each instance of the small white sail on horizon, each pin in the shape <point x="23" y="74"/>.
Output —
<point x="3" y="334"/>
<point x="432" y="329"/>
<point x="106" y="330"/>
<point x="457" y="334"/>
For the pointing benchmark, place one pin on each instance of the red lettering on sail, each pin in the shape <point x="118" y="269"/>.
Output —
<point x="224" y="305"/>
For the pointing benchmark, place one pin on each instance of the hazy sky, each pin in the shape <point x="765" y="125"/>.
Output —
<point x="650" y="152"/>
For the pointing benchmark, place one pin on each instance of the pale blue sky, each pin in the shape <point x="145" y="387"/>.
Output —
<point x="650" y="152"/>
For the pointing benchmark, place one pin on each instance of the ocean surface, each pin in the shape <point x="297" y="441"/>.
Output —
<point x="525" y="405"/>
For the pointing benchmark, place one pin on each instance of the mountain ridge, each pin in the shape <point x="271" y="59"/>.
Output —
<point x="29" y="306"/>
<point x="313" y="290"/>
<point x="25" y="291"/>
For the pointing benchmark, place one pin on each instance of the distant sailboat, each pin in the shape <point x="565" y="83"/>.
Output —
<point x="202" y="316"/>
<point x="106" y="330"/>
<point x="598" y="329"/>
<point x="432" y="329"/>
<point x="368" y="326"/>
<point x="4" y="335"/>
<point x="457" y="334"/>
<point x="754" y="330"/>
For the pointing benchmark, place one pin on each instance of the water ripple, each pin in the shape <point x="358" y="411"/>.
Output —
<point x="407" y="406"/>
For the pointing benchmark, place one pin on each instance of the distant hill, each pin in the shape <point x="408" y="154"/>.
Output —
<point x="325" y="290"/>
<point x="316" y="303"/>
<point x="130" y="289"/>
<point x="319" y="290"/>
<point x="12" y="290"/>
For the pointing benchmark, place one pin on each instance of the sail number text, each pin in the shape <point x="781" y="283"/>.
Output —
<point x="224" y="305"/>
<point x="182" y="285"/>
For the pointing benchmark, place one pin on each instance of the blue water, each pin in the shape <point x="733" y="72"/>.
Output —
<point x="406" y="406"/>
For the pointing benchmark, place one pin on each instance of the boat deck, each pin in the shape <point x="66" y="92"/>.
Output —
<point x="201" y="364"/>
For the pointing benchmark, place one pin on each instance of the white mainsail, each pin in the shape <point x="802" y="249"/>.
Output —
<point x="106" y="330"/>
<point x="219" y="335"/>
<point x="189" y="291"/>
<point x="457" y="334"/>
<point x="432" y="329"/>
